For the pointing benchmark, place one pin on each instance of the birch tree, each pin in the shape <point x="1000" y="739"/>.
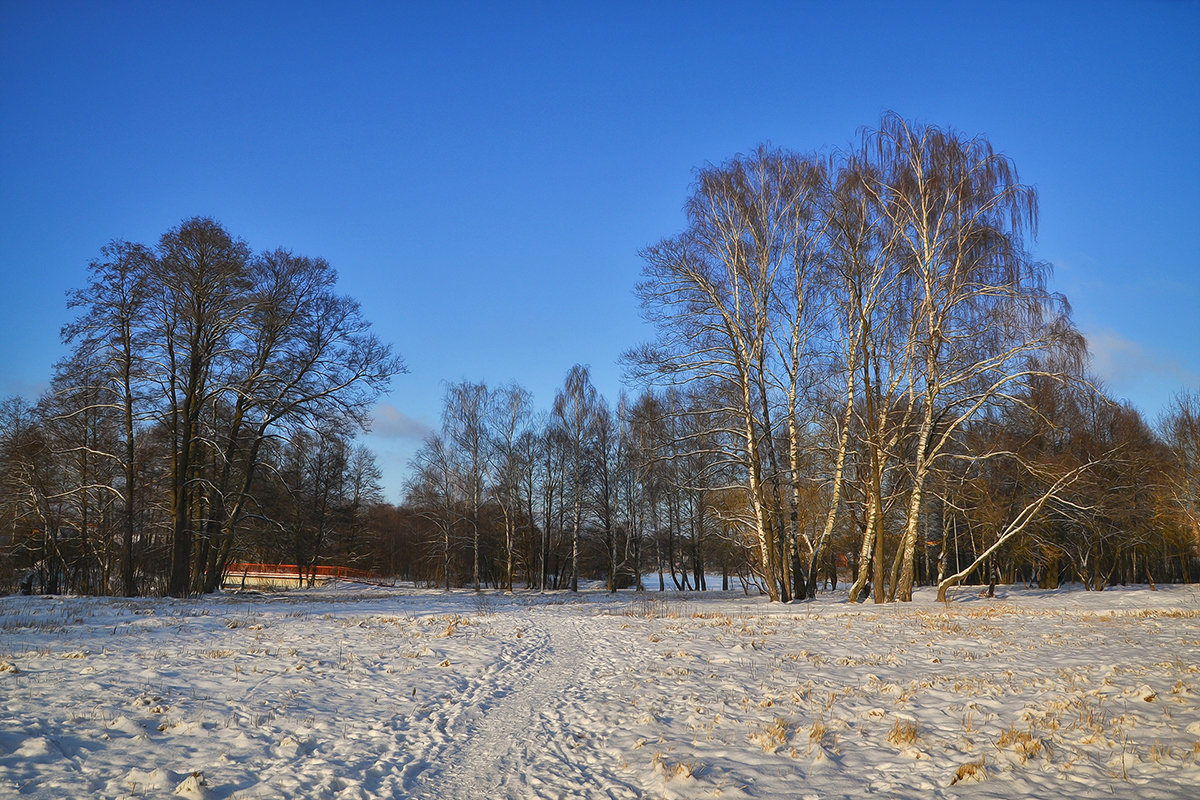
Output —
<point x="868" y="306"/>
<point x="981" y="310"/>
<point x="712" y="294"/>
<point x="509" y="459"/>
<point x="464" y="421"/>
<point x="576" y="407"/>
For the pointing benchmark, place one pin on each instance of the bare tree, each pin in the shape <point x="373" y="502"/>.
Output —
<point x="464" y="421"/>
<point x="315" y="477"/>
<point x="509" y="418"/>
<point x="605" y="488"/>
<point x="576" y="407"/>
<point x="432" y="490"/>
<point x="1181" y="430"/>
<point x="981" y="310"/>
<point x="110" y="334"/>
<point x="222" y="351"/>
<point x="79" y="425"/>
<point x="1056" y="482"/>
<point x="867" y="302"/>
<point x="33" y="497"/>
<point x="633" y="465"/>
<point x="200" y="279"/>
<point x="303" y="358"/>
<point x="713" y="294"/>
<point x="363" y="492"/>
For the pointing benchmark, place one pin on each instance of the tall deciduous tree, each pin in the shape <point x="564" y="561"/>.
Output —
<point x="732" y="303"/>
<point x="220" y="351"/>
<point x="304" y="358"/>
<point x="464" y="425"/>
<point x="509" y="420"/>
<point x="981" y="312"/>
<point x="576" y="408"/>
<point x="201" y="279"/>
<point x="110" y="333"/>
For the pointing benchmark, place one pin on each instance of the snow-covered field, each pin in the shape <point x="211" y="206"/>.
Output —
<point x="362" y="693"/>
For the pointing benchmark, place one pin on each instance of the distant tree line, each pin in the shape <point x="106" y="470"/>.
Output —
<point x="206" y="411"/>
<point x="507" y="496"/>
<point x="858" y="374"/>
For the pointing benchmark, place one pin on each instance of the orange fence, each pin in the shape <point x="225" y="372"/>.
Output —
<point x="320" y="571"/>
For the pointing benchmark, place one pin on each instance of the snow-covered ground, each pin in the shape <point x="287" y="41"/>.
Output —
<point x="363" y="693"/>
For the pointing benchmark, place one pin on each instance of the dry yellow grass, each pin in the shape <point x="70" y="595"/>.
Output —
<point x="1023" y="743"/>
<point x="675" y="770"/>
<point x="453" y="623"/>
<point x="1160" y="752"/>
<point x="970" y="772"/>
<point x="774" y="736"/>
<point x="817" y="734"/>
<point x="903" y="733"/>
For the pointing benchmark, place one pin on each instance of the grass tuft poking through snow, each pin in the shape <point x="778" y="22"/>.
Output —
<point x="1023" y="743"/>
<point x="774" y="736"/>
<point x="903" y="733"/>
<point x="970" y="772"/>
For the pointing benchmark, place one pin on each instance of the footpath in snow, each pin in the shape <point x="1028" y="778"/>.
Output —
<point x="354" y="693"/>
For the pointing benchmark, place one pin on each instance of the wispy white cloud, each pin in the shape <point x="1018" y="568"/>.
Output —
<point x="1133" y="371"/>
<point x="1121" y="360"/>
<point x="1115" y="358"/>
<point x="391" y="423"/>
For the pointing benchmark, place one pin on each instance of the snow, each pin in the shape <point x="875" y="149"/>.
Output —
<point x="352" y="692"/>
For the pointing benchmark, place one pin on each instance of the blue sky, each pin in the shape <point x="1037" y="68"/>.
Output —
<point x="482" y="175"/>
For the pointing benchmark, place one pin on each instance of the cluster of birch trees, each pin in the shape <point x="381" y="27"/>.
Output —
<point x="206" y="410"/>
<point x="871" y="345"/>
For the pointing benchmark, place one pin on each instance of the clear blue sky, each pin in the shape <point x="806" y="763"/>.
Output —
<point x="482" y="175"/>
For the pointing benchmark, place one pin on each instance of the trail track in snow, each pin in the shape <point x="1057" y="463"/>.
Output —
<point x="507" y="736"/>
